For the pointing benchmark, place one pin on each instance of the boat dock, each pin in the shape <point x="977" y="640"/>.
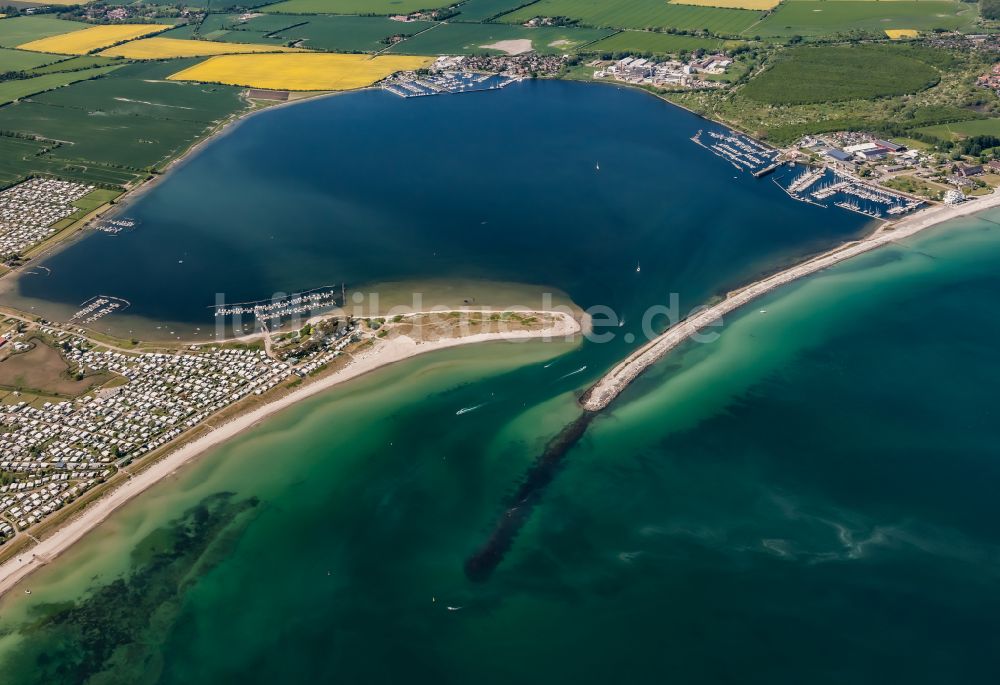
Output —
<point x="766" y="170"/>
<point x="446" y="83"/>
<point x="806" y="180"/>
<point x="828" y="191"/>
<point x="743" y="152"/>
<point x="812" y="185"/>
<point x="309" y="302"/>
<point x="98" y="307"/>
<point x="116" y="226"/>
<point x="847" y="192"/>
<point x="865" y="198"/>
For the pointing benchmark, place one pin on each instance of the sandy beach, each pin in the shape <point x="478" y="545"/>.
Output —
<point x="602" y="393"/>
<point x="380" y="354"/>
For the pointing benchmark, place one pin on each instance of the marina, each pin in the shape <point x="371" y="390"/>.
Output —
<point x="743" y="152"/>
<point x="310" y="302"/>
<point x="115" y="226"/>
<point x="820" y="185"/>
<point x="813" y="185"/>
<point x="848" y="192"/>
<point x="446" y="83"/>
<point x="98" y="307"/>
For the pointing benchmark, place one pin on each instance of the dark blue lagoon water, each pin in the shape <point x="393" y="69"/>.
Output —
<point x="368" y="188"/>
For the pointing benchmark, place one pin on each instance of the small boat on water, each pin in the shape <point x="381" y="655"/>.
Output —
<point x="637" y="267"/>
<point x="597" y="166"/>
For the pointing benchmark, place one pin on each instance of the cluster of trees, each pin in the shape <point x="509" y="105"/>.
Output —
<point x="975" y="146"/>
<point x="560" y="21"/>
<point x="990" y="9"/>
<point x="682" y="55"/>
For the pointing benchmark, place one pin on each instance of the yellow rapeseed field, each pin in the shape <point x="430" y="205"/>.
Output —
<point x="94" y="38"/>
<point x="899" y="34"/>
<point x="165" y="48"/>
<point x="299" y="71"/>
<point x="732" y="4"/>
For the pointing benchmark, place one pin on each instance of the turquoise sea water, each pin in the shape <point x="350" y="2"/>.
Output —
<point x="810" y="498"/>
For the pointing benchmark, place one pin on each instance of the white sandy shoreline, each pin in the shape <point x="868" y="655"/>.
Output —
<point x="381" y="354"/>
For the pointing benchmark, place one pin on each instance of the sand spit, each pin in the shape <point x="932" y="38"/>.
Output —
<point x="602" y="393"/>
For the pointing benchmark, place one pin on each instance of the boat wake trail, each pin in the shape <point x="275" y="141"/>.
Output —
<point x="517" y="511"/>
<point x="573" y="373"/>
<point x="466" y="410"/>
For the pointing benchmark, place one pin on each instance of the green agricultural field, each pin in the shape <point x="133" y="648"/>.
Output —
<point x="469" y="39"/>
<point x="964" y="129"/>
<point x="213" y="28"/>
<point x="136" y="89"/>
<point x="20" y="158"/>
<point x="19" y="30"/>
<point x="15" y="158"/>
<point x="824" y="17"/>
<point x="640" y="14"/>
<point x="94" y="199"/>
<point x="482" y="10"/>
<point x="354" y="6"/>
<point x="656" y="43"/>
<point x="264" y="23"/>
<point x="186" y="31"/>
<point x="219" y="24"/>
<point x="21" y="88"/>
<point x="318" y="32"/>
<point x="116" y="127"/>
<point x="834" y="74"/>
<point x="349" y="34"/>
<point x="112" y="138"/>
<point x="19" y="60"/>
<point x="76" y="63"/>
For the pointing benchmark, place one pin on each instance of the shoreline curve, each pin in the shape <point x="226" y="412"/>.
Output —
<point x="609" y="386"/>
<point x="384" y="353"/>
